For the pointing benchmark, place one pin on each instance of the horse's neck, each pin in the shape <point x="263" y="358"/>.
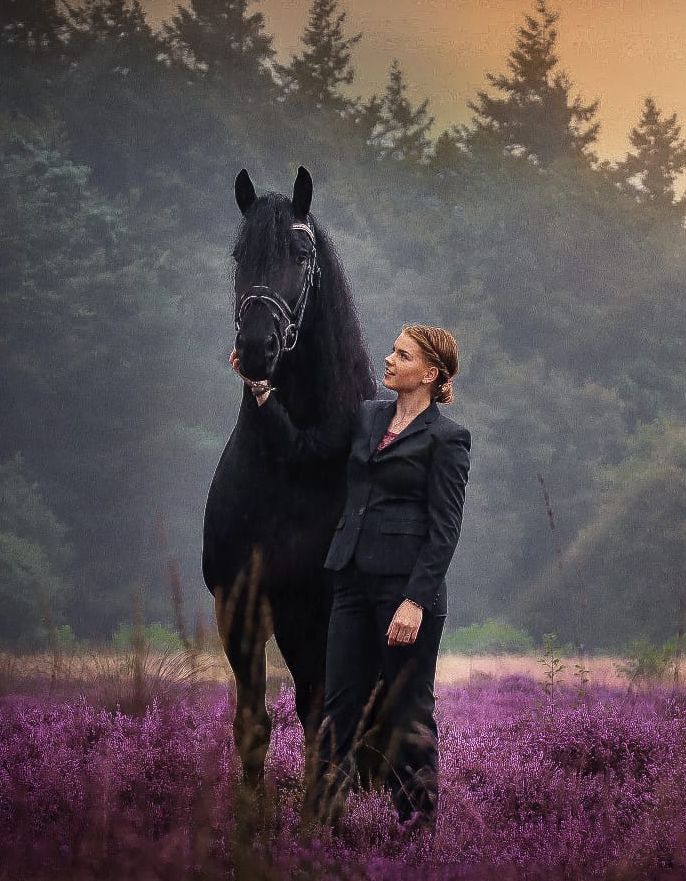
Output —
<point x="295" y="392"/>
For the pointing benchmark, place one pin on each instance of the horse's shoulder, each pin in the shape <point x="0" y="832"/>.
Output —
<point x="366" y="413"/>
<point x="372" y="406"/>
<point x="375" y="404"/>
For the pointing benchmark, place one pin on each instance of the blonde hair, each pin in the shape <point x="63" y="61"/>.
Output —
<point x="440" y="350"/>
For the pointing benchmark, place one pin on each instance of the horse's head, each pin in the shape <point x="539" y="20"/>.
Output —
<point x="276" y="273"/>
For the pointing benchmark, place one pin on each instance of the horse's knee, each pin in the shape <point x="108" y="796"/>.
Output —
<point x="222" y="614"/>
<point x="309" y="706"/>
<point x="243" y="613"/>
<point x="252" y="731"/>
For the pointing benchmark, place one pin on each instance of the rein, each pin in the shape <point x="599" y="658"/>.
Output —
<point x="286" y="320"/>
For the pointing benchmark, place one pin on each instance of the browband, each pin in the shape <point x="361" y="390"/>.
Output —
<point x="306" y="228"/>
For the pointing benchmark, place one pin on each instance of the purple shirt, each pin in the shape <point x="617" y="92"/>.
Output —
<point x="387" y="439"/>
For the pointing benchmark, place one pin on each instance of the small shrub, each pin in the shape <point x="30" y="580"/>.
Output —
<point x="552" y="664"/>
<point x="648" y="663"/>
<point x="156" y="637"/>
<point x="494" y="636"/>
<point x="65" y="638"/>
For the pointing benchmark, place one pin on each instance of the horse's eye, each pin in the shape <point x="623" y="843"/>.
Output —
<point x="302" y="257"/>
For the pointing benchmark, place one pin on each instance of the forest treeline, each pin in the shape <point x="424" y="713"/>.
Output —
<point x="561" y="276"/>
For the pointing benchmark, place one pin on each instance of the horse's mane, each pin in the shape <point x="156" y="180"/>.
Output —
<point x="343" y="376"/>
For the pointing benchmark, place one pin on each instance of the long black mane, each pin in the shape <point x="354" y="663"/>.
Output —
<point x="331" y="334"/>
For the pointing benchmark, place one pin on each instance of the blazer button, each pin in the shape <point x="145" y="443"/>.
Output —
<point x="361" y="511"/>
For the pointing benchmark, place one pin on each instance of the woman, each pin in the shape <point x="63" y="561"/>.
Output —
<point x="406" y="477"/>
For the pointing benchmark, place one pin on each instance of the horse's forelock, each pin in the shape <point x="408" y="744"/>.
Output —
<point x="264" y="232"/>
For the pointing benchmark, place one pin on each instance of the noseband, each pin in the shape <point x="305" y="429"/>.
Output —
<point x="286" y="320"/>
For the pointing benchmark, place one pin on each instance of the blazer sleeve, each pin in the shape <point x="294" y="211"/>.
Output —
<point x="447" y="482"/>
<point x="318" y="443"/>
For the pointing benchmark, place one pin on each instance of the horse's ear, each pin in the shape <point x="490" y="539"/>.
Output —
<point x="302" y="193"/>
<point x="244" y="190"/>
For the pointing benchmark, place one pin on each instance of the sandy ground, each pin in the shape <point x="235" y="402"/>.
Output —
<point x="452" y="669"/>
<point x="600" y="669"/>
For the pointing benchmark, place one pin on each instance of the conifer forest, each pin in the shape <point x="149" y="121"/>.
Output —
<point x="563" y="277"/>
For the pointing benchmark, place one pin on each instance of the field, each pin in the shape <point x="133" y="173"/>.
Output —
<point x="122" y="767"/>
<point x="212" y="666"/>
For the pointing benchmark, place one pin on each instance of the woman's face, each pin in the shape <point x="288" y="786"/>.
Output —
<point x="406" y="368"/>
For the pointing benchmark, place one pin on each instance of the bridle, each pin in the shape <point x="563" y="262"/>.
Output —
<point x="286" y="320"/>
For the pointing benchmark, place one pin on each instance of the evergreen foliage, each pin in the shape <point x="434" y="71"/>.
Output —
<point x="117" y="27"/>
<point x="34" y="559"/>
<point x="658" y="158"/>
<point x="642" y="499"/>
<point x="222" y="41"/>
<point x="402" y="130"/>
<point x="449" y="153"/>
<point x="324" y="64"/>
<point x="565" y="291"/>
<point x="537" y="115"/>
<point x="35" y="27"/>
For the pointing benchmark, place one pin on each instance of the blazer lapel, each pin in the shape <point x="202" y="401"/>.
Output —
<point x="419" y="423"/>
<point x="381" y="421"/>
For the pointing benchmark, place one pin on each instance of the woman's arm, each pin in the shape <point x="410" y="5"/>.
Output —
<point x="319" y="443"/>
<point x="447" y="481"/>
<point x="288" y="443"/>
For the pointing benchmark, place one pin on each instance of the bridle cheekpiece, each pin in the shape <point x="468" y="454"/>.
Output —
<point x="286" y="320"/>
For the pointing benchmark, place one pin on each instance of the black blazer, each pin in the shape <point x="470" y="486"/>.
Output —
<point x="403" y="511"/>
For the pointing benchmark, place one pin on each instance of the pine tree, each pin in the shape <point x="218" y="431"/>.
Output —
<point x="221" y="41"/>
<point x="118" y="28"/>
<point x="659" y="156"/>
<point x="114" y="91"/>
<point x="34" y="558"/>
<point x="402" y="133"/>
<point x="537" y="115"/>
<point x="449" y="153"/>
<point x="34" y="26"/>
<point x="32" y="55"/>
<point x="364" y="115"/>
<point x="323" y="66"/>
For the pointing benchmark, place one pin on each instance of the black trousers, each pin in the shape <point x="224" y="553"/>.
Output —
<point x="379" y="703"/>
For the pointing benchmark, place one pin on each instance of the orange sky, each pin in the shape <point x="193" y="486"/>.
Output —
<point x="616" y="50"/>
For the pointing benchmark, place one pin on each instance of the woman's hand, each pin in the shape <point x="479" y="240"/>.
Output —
<point x="259" y="389"/>
<point x="405" y="625"/>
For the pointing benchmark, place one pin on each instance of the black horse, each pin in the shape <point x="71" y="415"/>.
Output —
<point x="280" y="483"/>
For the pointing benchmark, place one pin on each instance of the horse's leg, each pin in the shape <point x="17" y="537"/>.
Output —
<point x="244" y="624"/>
<point x="300" y="626"/>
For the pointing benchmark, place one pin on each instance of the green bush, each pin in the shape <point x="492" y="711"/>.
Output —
<point x="156" y="636"/>
<point x="648" y="663"/>
<point x="64" y="638"/>
<point x="494" y="636"/>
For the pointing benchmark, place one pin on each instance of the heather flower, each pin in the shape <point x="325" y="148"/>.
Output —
<point x="529" y="789"/>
